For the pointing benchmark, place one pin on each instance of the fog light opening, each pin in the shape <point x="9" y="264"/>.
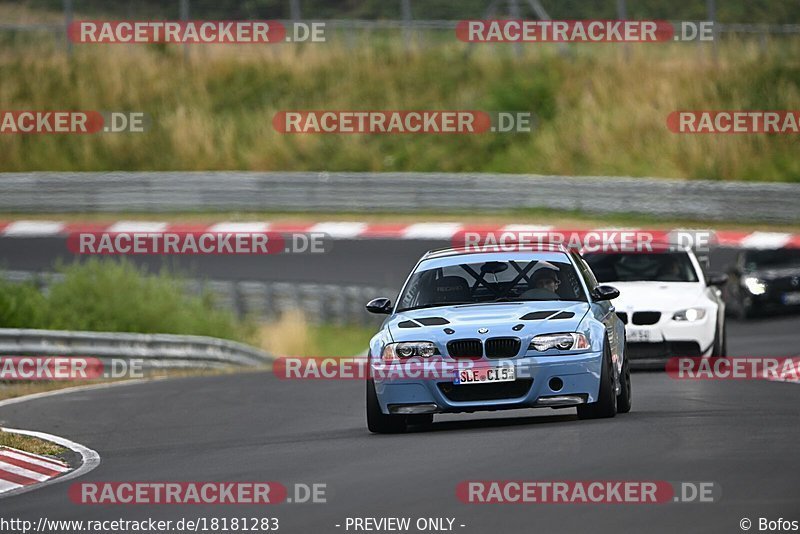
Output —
<point x="412" y="409"/>
<point x="556" y="384"/>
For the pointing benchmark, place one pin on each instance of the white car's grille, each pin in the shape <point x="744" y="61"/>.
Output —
<point x="646" y="317"/>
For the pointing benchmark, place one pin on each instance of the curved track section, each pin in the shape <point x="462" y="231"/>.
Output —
<point x="741" y="435"/>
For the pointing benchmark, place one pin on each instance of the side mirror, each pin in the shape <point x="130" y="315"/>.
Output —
<point x="717" y="279"/>
<point x="380" y="305"/>
<point x="605" y="293"/>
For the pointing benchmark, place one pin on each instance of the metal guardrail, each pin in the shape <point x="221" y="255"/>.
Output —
<point x="95" y="192"/>
<point x="320" y="303"/>
<point x="154" y="350"/>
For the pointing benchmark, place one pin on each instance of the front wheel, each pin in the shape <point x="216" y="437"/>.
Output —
<point x="720" y="342"/>
<point x="724" y="350"/>
<point x="379" y="422"/>
<point x="624" y="397"/>
<point x="606" y="405"/>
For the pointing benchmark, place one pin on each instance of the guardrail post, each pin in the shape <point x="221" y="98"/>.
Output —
<point x="405" y="8"/>
<point x="68" y="12"/>
<point x="240" y="306"/>
<point x="622" y="14"/>
<point x="513" y="8"/>
<point x="711" y="8"/>
<point x="270" y="312"/>
<point x="183" y="8"/>
<point x="537" y="7"/>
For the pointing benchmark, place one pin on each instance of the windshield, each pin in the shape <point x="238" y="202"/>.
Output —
<point x="759" y="259"/>
<point x="641" y="267"/>
<point x="491" y="281"/>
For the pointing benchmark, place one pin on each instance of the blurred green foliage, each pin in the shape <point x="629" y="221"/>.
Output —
<point x="115" y="296"/>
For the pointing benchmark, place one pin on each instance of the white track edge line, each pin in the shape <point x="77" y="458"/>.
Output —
<point x="55" y="392"/>
<point x="90" y="459"/>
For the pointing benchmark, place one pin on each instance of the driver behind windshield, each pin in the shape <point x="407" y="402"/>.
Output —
<point x="545" y="283"/>
<point x="670" y="271"/>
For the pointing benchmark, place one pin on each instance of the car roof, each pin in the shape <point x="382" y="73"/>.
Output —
<point x="489" y="249"/>
<point x="657" y="247"/>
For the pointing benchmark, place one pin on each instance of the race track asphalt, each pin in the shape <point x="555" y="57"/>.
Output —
<point x="741" y="435"/>
<point x="367" y="262"/>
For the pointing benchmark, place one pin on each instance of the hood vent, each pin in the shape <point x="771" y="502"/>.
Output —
<point x="550" y="314"/>
<point x="433" y="321"/>
<point x="537" y="316"/>
<point x="426" y="321"/>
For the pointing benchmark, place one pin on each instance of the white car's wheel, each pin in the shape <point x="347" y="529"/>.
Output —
<point x="720" y="342"/>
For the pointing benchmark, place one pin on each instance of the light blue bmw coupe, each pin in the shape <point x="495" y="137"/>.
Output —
<point x="497" y="328"/>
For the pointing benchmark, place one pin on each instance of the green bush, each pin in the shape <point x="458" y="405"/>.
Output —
<point x="115" y="296"/>
<point x="21" y="305"/>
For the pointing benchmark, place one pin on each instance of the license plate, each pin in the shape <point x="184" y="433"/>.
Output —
<point x="482" y="376"/>
<point x="791" y="298"/>
<point x="639" y="335"/>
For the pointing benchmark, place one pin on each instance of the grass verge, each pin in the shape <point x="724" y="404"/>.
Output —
<point x="30" y="444"/>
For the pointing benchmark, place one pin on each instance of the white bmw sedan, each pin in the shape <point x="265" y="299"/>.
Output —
<point x="669" y="305"/>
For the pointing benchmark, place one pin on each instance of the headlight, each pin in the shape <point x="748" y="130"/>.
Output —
<point x="754" y="285"/>
<point x="408" y="349"/>
<point x="690" y="315"/>
<point x="568" y="341"/>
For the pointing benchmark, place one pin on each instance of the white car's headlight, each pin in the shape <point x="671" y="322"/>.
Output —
<point x="754" y="285"/>
<point x="690" y="315"/>
<point x="408" y="349"/>
<point x="567" y="341"/>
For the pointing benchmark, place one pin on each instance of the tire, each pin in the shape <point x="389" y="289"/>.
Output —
<point x="606" y="405"/>
<point x="720" y="343"/>
<point x="624" y="397"/>
<point x="377" y="421"/>
<point x="716" y="345"/>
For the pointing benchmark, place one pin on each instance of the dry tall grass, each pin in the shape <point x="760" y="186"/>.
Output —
<point x="290" y="335"/>
<point x="598" y="114"/>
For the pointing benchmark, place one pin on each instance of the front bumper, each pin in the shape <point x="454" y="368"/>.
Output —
<point x="579" y="376"/>
<point x="774" y="300"/>
<point x="655" y="355"/>
<point x="649" y="346"/>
